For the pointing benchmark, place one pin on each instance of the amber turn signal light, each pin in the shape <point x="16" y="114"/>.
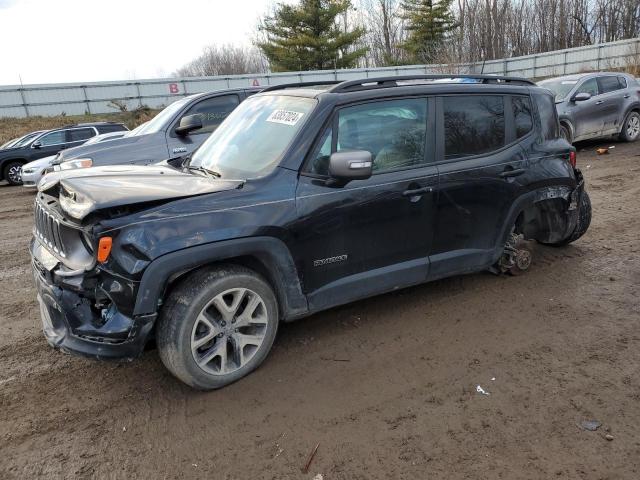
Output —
<point x="104" y="248"/>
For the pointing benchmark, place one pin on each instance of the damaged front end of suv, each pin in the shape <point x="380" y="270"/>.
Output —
<point x="86" y="292"/>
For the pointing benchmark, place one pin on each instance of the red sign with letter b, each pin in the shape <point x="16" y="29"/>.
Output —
<point x="173" y="88"/>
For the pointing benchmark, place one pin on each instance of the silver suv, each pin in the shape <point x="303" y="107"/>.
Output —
<point x="594" y="105"/>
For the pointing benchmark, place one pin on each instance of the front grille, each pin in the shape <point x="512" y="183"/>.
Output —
<point x="48" y="230"/>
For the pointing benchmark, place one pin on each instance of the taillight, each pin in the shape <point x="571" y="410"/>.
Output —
<point x="104" y="249"/>
<point x="572" y="159"/>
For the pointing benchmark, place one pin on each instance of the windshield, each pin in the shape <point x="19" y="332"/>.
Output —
<point x="10" y="142"/>
<point x="251" y="141"/>
<point x="158" y="122"/>
<point x="560" y="88"/>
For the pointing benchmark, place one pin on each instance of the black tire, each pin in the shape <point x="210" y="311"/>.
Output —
<point x="176" y="329"/>
<point x="9" y="172"/>
<point x="631" y="127"/>
<point x="565" y="132"/>
<point x="584" y="220"/>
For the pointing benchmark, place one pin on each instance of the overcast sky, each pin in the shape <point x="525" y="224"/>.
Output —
<point x="49" y="41"/>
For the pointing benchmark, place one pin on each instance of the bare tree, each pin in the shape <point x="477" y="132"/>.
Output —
<point x="385" y="31"/>
<point x="225" y="60"/>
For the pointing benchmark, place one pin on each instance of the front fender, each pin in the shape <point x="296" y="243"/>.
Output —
<point x="270" y="252"/>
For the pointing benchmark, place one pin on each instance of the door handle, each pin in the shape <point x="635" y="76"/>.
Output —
<point x="627" y="95"/>
<point x="417" y="191"/>
<point x="599" y="102"/>
<point x="512" y="172"/>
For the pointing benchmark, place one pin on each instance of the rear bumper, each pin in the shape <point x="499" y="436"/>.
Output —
<point x="72" y="323"/>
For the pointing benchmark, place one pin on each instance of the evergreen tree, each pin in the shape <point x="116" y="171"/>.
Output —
<point x="429" y="21"/>
<point x="307" y="36"/>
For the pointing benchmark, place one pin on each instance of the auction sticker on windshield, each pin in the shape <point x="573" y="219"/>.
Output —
<point x="286" y="117"/>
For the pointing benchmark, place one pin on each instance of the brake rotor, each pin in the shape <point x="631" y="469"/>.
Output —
<point x="522" y="258"/>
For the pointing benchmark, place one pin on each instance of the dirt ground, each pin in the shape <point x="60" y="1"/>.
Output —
<point x="386" y="386"/>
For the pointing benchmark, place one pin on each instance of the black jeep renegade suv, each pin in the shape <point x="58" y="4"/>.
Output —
<point x="306" y="197"/>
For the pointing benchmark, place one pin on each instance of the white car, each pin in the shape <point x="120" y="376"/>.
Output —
<point x="32" y="172"/>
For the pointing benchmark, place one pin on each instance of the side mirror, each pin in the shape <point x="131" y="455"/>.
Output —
<point x="36" y="144"/>
<point x="188" y="124"/>
<point x="351" y="165"/>
<point x="581" y="97"/>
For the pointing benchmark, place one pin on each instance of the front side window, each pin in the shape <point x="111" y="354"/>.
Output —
<point x="213" y="111"/>
<point x="589" y="86"/>
<point x="473" y="125"/>
<point x="253" y="138"/>
<point x="393" y="131"/>
<point x="80" y="134"/>
<point x="522" y="115"/>
<point x="53" y="138"/>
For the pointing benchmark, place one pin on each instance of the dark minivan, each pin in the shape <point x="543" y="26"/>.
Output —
<point x="306" y="197"/>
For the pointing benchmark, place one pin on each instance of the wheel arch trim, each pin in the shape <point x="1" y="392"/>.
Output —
<point x="528" y="200"/>
<point x="270" y="252"/>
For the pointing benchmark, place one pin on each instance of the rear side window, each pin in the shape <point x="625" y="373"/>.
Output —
<point x="80" y="134"/>
<point x="522" y="115"/>
<point x="623" y="82"/>
<point x="110" y="128"/>
<point x="608" y="84"/>
<point x="213" y="111"/>
<point x="473" y="125"/>
<point x="548" y="115"/>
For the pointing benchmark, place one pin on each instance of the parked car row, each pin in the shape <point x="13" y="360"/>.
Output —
<point x="305" y="197"/>
<point x="42" y="144"/>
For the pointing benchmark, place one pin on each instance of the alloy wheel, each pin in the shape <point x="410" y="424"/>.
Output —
<point x="229" y="331"/>
<point x="633" y="127"/>
<point x="14" y="174"/>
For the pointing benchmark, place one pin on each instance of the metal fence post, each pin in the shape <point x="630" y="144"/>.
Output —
<point x="24" y="101"/>
<point x="86" y="99"/>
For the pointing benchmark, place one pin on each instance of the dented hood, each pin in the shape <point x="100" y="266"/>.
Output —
<point x="82" y="191"/>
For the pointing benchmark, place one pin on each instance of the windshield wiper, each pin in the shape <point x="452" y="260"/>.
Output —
<point x="206" y="171"/>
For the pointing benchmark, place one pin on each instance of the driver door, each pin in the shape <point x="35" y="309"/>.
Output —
<point x="373" y="235"/>
<point x="588" y="114"/>
<point x="49" y="144"/>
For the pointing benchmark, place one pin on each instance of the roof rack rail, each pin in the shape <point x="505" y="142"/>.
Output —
<point x="300" y="85"/>
<point x="387" y="82"/>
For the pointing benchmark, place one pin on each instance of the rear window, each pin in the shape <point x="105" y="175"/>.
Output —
<point x="473" y="125"/>
<point x="548" y="115"/>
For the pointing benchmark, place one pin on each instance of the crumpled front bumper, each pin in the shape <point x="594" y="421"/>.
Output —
<point x="72" y="323"/>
